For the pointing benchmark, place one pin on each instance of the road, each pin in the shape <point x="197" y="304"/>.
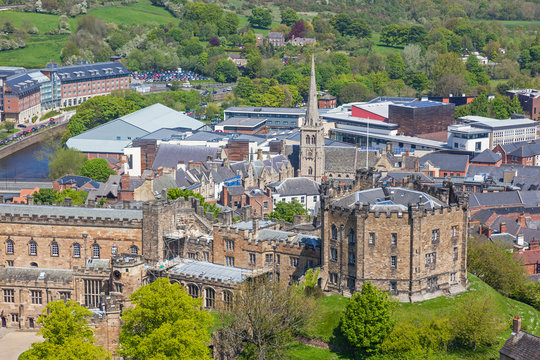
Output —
<point x="13" y="343"/>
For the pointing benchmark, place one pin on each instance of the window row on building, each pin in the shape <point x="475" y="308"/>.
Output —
<point x="76" y="249"/>
<point x="36" y="296"/>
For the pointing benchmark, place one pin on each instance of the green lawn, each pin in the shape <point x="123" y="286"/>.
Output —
<point x="42" y="48"/>
<point x="329" y="309"/>
<point x="513" y="23"/>
<point x="381" y="49"/>
<point x="136" y="13"/>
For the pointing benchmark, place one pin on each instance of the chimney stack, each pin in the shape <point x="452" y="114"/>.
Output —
<point x="502" y="227"/>
<point x="516" y="328"/>
<point x="520" y="239"/>
<point x="124" y="182"/>
<point x="259" y="154"/>
<point x="30" y="200"/>
<point x="67" y="201"/>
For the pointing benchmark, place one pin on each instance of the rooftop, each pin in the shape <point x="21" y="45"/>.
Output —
<point x="271" y="110"/>
<point x="296" y="186"/>
<point x="490" y="123"/>
<point x="32" y="274"/>
<point x="242" y="122"/>
<point x="67" y="211"/>
<point x="389" y="198"/>
<point x="189" y="267"/>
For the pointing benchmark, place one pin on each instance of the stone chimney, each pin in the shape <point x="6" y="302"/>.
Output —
<point x="255" y="224"/>
<point x="30" y="200"/>
<point x="91" y="203"/>
<point x="67" y="201"/>
<point x="521" y="220"/>
<point x="246" y="213"/>
<point x="225" y="196"/>
<point x="502" y="227"/>
<point x="516" y="326"/>
<point x="259" y="154"/>
<point x="125" y="204"/>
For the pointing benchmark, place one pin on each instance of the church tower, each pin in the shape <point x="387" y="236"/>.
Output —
<point x="311" y="135"/>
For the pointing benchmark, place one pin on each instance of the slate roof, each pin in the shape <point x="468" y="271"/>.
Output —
<point x="65" y="211"/>
<point x="490" y="123"/>
<point x="260" y="109"/>
<point x="296" y="186"/>
<point x="394" y="199"/>
<point x="163" y="182"/>
<point x="526" y="150"/>
<point x="341" y="159"/>
<point x="526" y="177"/>
<point x="377" y="108"/>
<point x="235" y="190"/>
<point x="494" y="199"/>
<point x="446" y="162"/>
<point x="77" y="180"/>
<point x="162" y="134"/>
<point x="189" y="267"/>
<point x="487" y="157"/>
<point x="12" y="274"/>
<point x="522" y="346"/>
<point x="168" y="155"/>
<point x="22" y="83"/>
<point x="283" y="236"/>
<point x="243" y="122"/>
<point x="402" y="175"/>
<point x="86" y="72"/>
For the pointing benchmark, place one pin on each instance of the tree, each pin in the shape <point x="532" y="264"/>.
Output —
<point x="359" y="28"/>
<point x="228" y="24"/>
<point x="214" y="41"/>
<point x="419" y="82"/>
<point x="448" y="84"/>
<point x="67" y="334"/>
<point x="495" y="266"/>
<point x="260" y="18"/>
<point x="66" y="161"/>
<point x="367" y="319"/>
<point x="396" y="66"/>
<point x="341" y="22"/>
<point x="445" y="64"/>
<point x="286" y="211"/>
<point x="289" y="17"/>
<point x="475" y="322"/>
<point x="297" y="30"/>
<point x="355" y="92"/>
<point x="166" y="323"/>
<point x="45" y="195"/>
<point x="261" y="320"/>
<point x="97" y="169"/>
<point x="226" y="71"/>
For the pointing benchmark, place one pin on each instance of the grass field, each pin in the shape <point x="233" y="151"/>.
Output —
<point x="42" y="48"/>
<point x="514" y="23"/>
<point x="330" y="308"/>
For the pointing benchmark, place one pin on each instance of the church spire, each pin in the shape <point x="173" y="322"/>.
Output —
<point x="312" y="112"/>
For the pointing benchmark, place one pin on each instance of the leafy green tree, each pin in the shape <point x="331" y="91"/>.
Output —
<point x="289" y="76"/>
<point x="446" y="64"/>
<point x="289" y="17"/>
<point x="341" y="64"/>
<point x="286" y="211"/>
<point x="45" y="195"/>
<point x="495" y="266"/>
<point x="228" y="24"/>
<point x="419" y="82"/>
<point x="166" y="323"/>
<point x="66" y="161"/>
<point x="96" y="169"/>
<point x="260" y="18"/>
<point x="355" y="92"/>
<point x="475" y="322"/>
<point x="77" y="197"/>
<point x="341" y="22"/>
<point x="396" y="66"/>
<point x="367" y="319"/>
<point x="226" y="71"/>
<point x="67" y="335"/>
<point x="359" y="28"/>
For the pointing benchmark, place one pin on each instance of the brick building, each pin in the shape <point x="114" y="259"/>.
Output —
<point x="404" y="241"/>
<point x="529" y="100"/>
<point x="421" y="117"/>
<point x="22" y="98"/>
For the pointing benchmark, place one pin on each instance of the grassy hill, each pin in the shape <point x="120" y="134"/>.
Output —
<point x="330" y="308"/>
<point x="43" y="48"/>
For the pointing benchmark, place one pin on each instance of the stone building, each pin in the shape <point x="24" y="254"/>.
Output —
<point x="402" y="240"/>
<point x="312" y="136"/>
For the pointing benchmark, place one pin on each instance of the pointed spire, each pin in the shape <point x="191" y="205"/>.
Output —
<point x="312" y="112"/>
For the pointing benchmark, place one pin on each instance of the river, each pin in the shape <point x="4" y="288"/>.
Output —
<point x="27" y="164"/>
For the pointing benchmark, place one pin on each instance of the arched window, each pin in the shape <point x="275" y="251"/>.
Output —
<point x="10" y="247"/>
<point x="310" y="171"/>
<point x="193" y="290"/>
<point x="134" y="250"/>
<point x="54" y="249"/>
<point x="210" y="298"/>
<point x="307" y="139"/>
<point x="95" y="251"/>
<point x="352" y="237"/>
<point x="227" y="299"/>
<point x="334" y="232"/>
<point x="76" y="250"/>
<point x="32" y="248"/>
<point x="33" y="264"/>
<point x="313" y="141"/>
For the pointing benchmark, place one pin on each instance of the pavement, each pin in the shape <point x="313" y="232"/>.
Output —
<point x="14" y="342"/>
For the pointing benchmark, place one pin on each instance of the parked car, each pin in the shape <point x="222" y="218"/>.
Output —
<point x="22" y="126"/>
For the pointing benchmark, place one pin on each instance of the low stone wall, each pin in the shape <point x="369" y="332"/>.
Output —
<point x="32" y="139"/>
